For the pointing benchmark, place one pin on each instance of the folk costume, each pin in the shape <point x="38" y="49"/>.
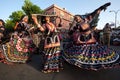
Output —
<point x="2" y="30"/>
<point x="52" y="53"/>
<point x="84" y="51"/>
<point x="19" y="48"/>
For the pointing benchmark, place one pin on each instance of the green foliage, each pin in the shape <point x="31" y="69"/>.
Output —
<point x="15" y="17"/>
<point x="9" y="25"/>
<point x="28" y="8"/>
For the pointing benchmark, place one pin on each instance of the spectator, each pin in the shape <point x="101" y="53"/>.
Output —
<point x="106" y="34"/>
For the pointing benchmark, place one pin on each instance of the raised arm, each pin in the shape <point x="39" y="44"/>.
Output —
<point x="34" y="17"/>
<point x="97" y="11"/>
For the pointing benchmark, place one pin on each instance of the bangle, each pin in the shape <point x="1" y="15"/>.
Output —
<point x="39" y="25"/>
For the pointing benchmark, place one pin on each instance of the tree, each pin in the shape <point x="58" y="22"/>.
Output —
<point x="14" y="17"/>
<point x="29" y="8"/>
<point x="9" y="25"/>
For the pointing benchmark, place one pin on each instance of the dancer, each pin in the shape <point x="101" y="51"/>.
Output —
<point x="83" y="50"/>
<point x="22" y="26"/>
<point x="52" y="62"/>
<point x="2" y="29"/>
<point x="20" y="46"/>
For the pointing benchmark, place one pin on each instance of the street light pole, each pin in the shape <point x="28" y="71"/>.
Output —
<point x="115" y="16"/>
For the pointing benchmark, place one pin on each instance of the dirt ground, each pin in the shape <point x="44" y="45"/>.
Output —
<point x="32" y="71"/>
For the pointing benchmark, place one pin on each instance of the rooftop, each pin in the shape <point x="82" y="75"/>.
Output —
<point x="62" y="9"/>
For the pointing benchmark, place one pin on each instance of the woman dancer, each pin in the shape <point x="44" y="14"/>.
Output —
<point x="52" y="62"/>
<point x="19" y="48"/>
<point x="2" y="29"/>
<point x="83" y="50"/>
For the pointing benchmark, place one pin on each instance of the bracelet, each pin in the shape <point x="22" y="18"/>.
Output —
<point x="38" y="25"/>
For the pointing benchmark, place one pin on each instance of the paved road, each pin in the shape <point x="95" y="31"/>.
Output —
<point x="31" y="71"/>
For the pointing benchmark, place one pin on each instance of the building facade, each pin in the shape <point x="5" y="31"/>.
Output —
<point x="66" y="16"/>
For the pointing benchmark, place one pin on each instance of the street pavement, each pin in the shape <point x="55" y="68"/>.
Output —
<point x="32" y="71"/>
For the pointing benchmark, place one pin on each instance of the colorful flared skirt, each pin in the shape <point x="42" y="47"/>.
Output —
<point x="53" y="61"/>
<point x="15" y="51"/>
<point x="90" y="56"/>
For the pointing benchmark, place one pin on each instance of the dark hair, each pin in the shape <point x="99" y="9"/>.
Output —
<point x="81" y="16"/>
<point x="107" y="23"/>
<point x="2" y="22"/>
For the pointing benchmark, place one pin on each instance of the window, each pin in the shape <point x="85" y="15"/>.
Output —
<point x="53" y="13"/>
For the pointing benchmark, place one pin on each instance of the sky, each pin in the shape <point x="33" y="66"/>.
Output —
<point x="73" y="6"/>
